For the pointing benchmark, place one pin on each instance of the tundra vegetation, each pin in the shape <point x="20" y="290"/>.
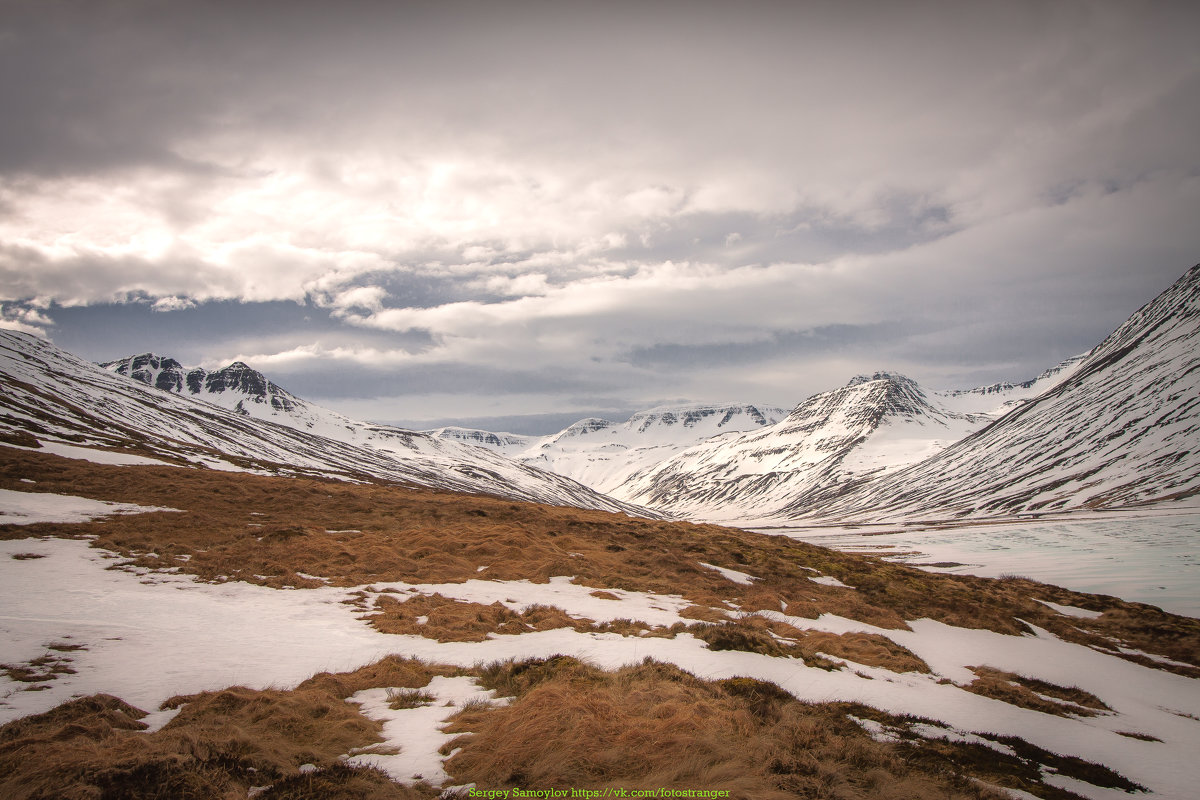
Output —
<point x="567" y="723"/>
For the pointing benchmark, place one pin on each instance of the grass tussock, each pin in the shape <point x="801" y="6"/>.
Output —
<point x="757" y="634"/>
<point x="388" y="672"/>
<point x="570" y="724"/>
<point x="655" y="725"/>
<point x="46" y="667"/>
<point x="408" y="698"/>
<point x="343" y="782"/>
<point x="447" y="620"/>
<point x="219" y="745"/>
<point x="276" y="531"/>
<point x="1034" y="694"/>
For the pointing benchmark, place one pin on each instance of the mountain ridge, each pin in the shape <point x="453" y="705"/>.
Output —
<point x="52" y="396"/>
<point x="1121" y="429"/>
<point x="824" y="442"/>
<point x="602" y="453"/>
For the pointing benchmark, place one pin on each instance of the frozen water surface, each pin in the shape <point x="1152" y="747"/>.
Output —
<point x="1147" y="559"/>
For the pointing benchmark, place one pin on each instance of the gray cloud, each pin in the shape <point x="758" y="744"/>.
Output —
<point x="594" y="206"/>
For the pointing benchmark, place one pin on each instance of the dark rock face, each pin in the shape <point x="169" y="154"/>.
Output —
<point x="161" y="373"/>
<point x="170" y="376"/>
<point x="690" y="417"/>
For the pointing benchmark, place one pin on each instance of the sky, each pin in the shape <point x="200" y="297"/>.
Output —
<point x="516" y="214"/>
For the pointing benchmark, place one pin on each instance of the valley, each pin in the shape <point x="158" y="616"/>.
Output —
<point x="322" y="607"/>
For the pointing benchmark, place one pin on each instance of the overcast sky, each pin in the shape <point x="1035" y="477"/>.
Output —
<point x="521" y="213"/>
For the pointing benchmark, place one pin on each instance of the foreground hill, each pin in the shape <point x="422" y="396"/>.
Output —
<point x="451" y="640"/>
<point x="52" y="397"/>
<point x="1123" y="429"/>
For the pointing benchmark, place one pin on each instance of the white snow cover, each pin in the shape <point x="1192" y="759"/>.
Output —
<point x="54" y="395"/>
<point x="1144" y="556"/>
<point x="603" y="454"/>
<point x="829" y="580"/>
<point x="731" y="574"/>
<point x="1122" y="430"/>
<point x="26" y="508"/>
<point x="96" y="456"/>
<point x="576" y="600"/>
<point x="1070" y="611"/>
<point x="416" y="732"/>
<point x="873" y="425"/>
<point x="151" y="636"/>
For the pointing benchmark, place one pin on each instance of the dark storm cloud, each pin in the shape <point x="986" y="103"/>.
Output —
<point x="880" y="340"/>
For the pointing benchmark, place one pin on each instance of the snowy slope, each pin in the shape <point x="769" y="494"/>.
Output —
<point x="603" y="454"/>
<point x="1124" y="428"/>
<point x="1000" y="398"/>
<point x="830" y="441"/>
<point x="237" y="387"/>
<point x="52" y="396"/>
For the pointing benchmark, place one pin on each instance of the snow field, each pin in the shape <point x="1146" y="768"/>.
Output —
<point x="27" y="508"/>
<point x="149" y="636"/>
<point x="416" y="732"/>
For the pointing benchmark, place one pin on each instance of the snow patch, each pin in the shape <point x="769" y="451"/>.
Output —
<point x="27" y="508"/>
<point x="731" y="574"/>
<point x="416" y="732"/>
<point x="829" y="580"/>
<point x="1070" y="611"/>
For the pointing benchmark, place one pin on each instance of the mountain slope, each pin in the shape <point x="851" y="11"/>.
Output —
<point x="1123" y="429"/>
<point x="51" y="396"/>
<point x="237" y="387"/>
<point x="832" y="439"/>
<point x="998" y="399"/>
<point x="603" y="454"/>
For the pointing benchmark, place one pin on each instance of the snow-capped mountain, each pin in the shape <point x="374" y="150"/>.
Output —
<point x="1000" y="398"/>
<point x="603" y="454"/>
<point x="237" y="387"/>
<point x="832" y="440"/>
<point x="1123" y="428"/>
<point x="236" y="384"/>
<point x="53" y="397"/>
<point x="507" y="443"/>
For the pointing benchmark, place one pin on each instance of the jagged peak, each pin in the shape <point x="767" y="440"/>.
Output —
<point x="237" y="366"/>
<point x="882" y="375"/>
<point x="172" y="376"/>
<point x="140" y="360"/>
<point x="587" y="425"/>
<point x="690" y="414"/>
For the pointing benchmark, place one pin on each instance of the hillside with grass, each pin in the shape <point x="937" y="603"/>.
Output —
<point x="182" y="632"/>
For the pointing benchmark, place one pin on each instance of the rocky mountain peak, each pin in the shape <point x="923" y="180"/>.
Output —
<point x="239" y="378"/>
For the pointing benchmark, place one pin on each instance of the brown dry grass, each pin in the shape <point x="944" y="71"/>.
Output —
<point x="571" y="725"/>
<point x="655" y="725"/>
<point x="218" y="746"/>
<point x="1031" y="693"/>
<point x="459" y="621"/>
<point x="237" y="526"/>
<point x="342" y="781"/>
